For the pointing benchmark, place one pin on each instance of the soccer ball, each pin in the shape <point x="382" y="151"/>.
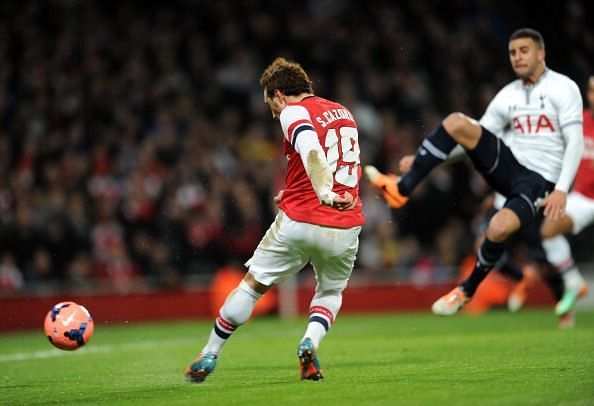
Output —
<point x="68" y="326"/>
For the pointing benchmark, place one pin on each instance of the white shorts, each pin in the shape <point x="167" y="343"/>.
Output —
<point x="288" y="246"/>
<point x="581" y="211"/>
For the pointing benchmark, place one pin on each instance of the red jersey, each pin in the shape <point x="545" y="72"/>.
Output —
<point x="584" y="179"/>
<point x="338" y="136"/>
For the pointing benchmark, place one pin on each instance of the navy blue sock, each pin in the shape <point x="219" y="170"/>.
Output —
<point x="508" y="269"/>
<point x="434" y="150"/>
<point x="554" y="281"/>
<point x="488" y="255"/>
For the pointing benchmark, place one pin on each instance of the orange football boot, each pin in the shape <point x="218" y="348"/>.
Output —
<point x="387" y="184"/>
<point x="451" y="303"/>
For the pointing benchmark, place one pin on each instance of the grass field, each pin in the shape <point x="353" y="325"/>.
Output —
<point x="496" y="359"/>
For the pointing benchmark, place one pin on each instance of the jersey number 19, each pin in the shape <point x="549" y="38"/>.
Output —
<point x="343" y="156"/>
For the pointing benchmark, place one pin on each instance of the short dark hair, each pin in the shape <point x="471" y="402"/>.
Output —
<point x="528" y="33"/>
<point x="286" y="76"/>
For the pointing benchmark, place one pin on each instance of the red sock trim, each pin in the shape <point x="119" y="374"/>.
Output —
<point x="225" y="324"/>
<point x="323" y="311"/>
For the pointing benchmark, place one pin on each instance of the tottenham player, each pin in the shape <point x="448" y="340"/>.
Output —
<point x="578" y="215"/>
<point x="544" y="110"/>
<point x="319" y="219"/>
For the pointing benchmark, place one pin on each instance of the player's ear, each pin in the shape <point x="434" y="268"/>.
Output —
<point x="541" y="55"/>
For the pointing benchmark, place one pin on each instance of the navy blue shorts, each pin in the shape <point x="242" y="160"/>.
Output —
<point x="523" y="188"/>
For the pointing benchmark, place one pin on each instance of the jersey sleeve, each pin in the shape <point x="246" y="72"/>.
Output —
<point x="300" y="132"/>
<point x="569" y="110"/>
<point x="569" y="104"/>
<point x="495" y="118"/>
<point x="294" y="120"/>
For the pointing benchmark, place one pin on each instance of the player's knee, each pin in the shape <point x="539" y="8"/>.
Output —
<point x="499" y="231"/>
<point x="458" y="126"/>
<point x="453" y="123"/>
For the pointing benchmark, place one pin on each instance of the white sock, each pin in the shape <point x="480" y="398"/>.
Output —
<point x="236" y="311"/>
<point x="315" y="331"/>
<point x="572" y="278"/>
<point x="558" y="253"/>
<point x="323" y="310"/>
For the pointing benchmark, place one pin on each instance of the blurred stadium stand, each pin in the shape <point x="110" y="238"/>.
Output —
<point x="136" y="153"/>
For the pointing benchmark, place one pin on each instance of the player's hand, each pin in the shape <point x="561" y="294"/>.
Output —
<point x="278" y="197"/>
<point x="554" y="205"/>
<point x="406" y="163"/>
<point x="344" y="202"/>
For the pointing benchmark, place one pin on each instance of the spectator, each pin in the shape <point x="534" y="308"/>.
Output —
<point x="134" y="119"/>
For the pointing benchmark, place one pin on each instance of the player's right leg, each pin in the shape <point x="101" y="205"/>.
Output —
<point x="559" y="254"/>
<point x="323" y="310"/>
<point x="455" y="129"/>
<point x="333" y="257"/>
<point x="579" y="213"/>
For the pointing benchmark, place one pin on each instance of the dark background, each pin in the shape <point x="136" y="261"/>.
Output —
<point x="136" y="151"/>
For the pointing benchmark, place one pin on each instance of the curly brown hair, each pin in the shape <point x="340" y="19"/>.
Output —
<point x="286" y="76"/>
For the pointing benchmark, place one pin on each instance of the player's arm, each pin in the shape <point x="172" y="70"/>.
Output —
<point x="316" y="165"/>
<point x="554" y="205"/>
<point x="570" y="118"/>
<point x="301" y="133"/>
<point x="317" y="168"/>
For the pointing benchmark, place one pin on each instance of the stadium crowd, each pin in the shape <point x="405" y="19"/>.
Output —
<point x="136" y="150"/>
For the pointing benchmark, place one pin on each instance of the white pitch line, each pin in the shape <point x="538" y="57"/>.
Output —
<point x="92" y="349"/>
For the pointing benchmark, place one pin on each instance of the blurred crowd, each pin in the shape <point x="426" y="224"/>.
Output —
<point x="136" y="151"/>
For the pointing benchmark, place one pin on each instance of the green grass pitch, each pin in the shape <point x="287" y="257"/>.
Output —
<point x="408" y="359"/>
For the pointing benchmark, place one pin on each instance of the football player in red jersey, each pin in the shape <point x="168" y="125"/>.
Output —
<point x="319" y="219"/>
<point x="579" y="214"/>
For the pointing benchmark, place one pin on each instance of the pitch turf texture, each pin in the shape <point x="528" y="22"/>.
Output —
<point x="417" y="359"/>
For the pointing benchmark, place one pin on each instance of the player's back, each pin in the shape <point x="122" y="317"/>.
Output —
<point x="337" y="133"/>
